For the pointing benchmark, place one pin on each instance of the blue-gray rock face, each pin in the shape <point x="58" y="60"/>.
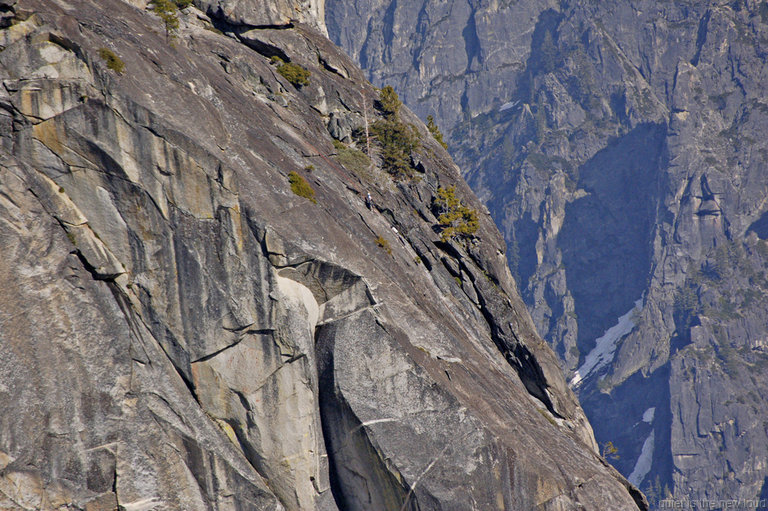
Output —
<point x="199" y="312"/>
<point x="620" y="148"/>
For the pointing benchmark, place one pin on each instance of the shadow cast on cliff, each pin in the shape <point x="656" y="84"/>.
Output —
<point x="607" y="234"/>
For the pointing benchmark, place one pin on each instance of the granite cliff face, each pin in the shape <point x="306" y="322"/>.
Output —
<point x="620" y="147"/>
<point x="245" y="14"/>
<point x="180" y="330"/>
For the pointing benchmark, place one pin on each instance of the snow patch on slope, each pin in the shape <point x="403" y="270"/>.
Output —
<point x="643" y="464"/>
<point x="648" y="414"/>
<point x="605" y="346"/>
<point x="507" y="106"/>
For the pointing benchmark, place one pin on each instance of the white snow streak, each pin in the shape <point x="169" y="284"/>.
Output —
<point x="643" y="464"/>
<point x="605" y="346"/>
<point x="648" y="415"/>
<point x="507" y="106"/>
<point x="370" y="423"/>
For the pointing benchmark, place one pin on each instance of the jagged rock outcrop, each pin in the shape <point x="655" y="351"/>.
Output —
<point x="181" y="330"/>
<point x="619" y="147"/>
<point x="247" y="14"/>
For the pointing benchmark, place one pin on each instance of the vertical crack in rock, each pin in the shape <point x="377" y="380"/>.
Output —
<point x="359" y="475"/>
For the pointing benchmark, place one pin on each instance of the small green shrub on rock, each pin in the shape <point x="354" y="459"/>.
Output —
<point x="609" y="451"/>
<point x="456" y="220"/>
<point x="294" y="73"/>
<point x="352" y="159"/>
<point x="168" y="12"/>
<point x="436" y="133"/>
<point x="301" y="187"/>
<point x="398" y="139"/>
<point x="389" y="102"/>
<point x="113" y="62"/>
<point x="384" y="243"/>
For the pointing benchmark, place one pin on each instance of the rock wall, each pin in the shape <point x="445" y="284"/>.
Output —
<point x="180" y="330"/>
<point x="262" y="14"/>
<point x="619" y="147"/>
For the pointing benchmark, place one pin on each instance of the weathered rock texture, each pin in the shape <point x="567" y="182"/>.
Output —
<point x="178" y="330"/>
<point x="620" y="147"/>
<point x="266" y="14"/>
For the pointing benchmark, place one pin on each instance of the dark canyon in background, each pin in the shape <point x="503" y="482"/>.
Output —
<point x="621" y="149"/>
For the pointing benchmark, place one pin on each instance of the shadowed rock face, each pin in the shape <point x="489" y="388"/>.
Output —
<point x="620" y="148"/>
<point x="179" y="330"/>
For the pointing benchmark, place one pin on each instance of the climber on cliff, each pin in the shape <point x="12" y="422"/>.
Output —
<point x="368" y="200"/>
